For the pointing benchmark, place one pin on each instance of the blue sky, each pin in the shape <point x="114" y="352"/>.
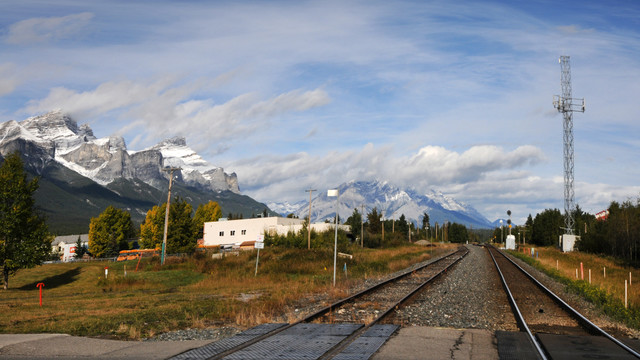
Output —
<point x="451" y="96"/>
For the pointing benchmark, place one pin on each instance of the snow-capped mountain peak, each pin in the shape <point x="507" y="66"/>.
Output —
<point x="390" y="202"/>
<point x="176" y="153"/>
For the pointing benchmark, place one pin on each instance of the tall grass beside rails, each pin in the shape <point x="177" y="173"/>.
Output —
<point x="616" y="271"/>
<point x="603" y="292"/>
<point x="189" y="292"/>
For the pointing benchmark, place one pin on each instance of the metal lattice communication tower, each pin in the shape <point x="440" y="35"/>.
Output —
<point x="567" y="106"/>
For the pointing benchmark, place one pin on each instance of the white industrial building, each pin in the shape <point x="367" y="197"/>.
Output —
<point x="230" y="232"/>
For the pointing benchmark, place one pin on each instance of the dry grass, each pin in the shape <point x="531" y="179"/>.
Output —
<point x="616" y="274"/>
<point x="195" y="292"/>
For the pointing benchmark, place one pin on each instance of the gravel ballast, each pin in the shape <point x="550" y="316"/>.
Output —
<point x="470" y="296"/>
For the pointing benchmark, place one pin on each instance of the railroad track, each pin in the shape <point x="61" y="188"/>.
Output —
<point x="336" y="328"/>
<point x="549" y="322"/>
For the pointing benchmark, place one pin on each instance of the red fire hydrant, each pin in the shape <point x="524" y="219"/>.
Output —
<point x="40" y="285"/>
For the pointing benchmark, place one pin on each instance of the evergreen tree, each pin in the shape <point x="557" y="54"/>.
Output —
<point x="528" y="228"/>
<point x="547" y="227"/>
<point x="373" y="219"/>
<point x="80" y="250"/>
<point x="458" y="233"/>
<point x="425" y="224"/>
<point x="355" y="221"/>
<point x="108" y="233"/>
<point x="402" y="227"/>
<point x="25" y="240"/>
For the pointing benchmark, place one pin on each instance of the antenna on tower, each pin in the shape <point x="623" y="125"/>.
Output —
<point x="567" y="106"/>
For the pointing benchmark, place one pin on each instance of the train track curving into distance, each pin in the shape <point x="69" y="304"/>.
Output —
<point x="547" y="319"/>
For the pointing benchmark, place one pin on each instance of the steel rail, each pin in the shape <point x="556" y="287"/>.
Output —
<point x="591" y="327"/>
<point x="341" y="302"/>
<point x="327" y="309"/>
<point x="519" y="318"/>
<point x="338" y="348"/>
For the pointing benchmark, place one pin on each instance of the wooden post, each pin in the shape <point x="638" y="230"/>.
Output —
<point x="310" y="191"/>
<point x="625" y="295"/>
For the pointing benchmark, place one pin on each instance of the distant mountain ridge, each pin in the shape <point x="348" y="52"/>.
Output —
<point x="82" y="174"/>
<point x="390" y="201"/>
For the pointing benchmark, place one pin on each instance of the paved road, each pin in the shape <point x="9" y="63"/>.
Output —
<point x="409" y="343"/>
<point x="61" y="346"/>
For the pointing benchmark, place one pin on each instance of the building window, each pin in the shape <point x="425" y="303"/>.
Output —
<point x="233" y="232"/>
<point x="244" y="232"/>
<point x="221" y="233"/>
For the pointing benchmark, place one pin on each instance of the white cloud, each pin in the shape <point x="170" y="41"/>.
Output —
<point x="163" y="109"/>
<point x="272" y="177"/>
<point x="376" y="82"/>
<point x="9" y="80"/>
<point x="106" y="97"/>
<point x="37" y="30"/>
<point x="436" y="165"/>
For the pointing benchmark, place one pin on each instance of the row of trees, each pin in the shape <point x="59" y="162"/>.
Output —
<point x="111" y="231"/>
<point x="395" y="232"/>
<point x="546" y="228"/>
<point x="401" y="230"/>
<point x="618" y="235"/>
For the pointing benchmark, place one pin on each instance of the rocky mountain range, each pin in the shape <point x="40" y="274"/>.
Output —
<point x="83" y="172"/>
<point x="54" y="136"/>
<point x="390" y="201"/>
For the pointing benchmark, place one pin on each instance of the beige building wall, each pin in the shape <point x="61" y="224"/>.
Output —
<point x="231" y="232"/>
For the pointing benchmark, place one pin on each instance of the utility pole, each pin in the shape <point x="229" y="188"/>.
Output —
<point x="170" y="170"/>
<point x="362" y="227"/>
<point x="310" y="191"/>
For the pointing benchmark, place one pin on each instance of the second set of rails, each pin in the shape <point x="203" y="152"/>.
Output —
<point x="539" y="311"/>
